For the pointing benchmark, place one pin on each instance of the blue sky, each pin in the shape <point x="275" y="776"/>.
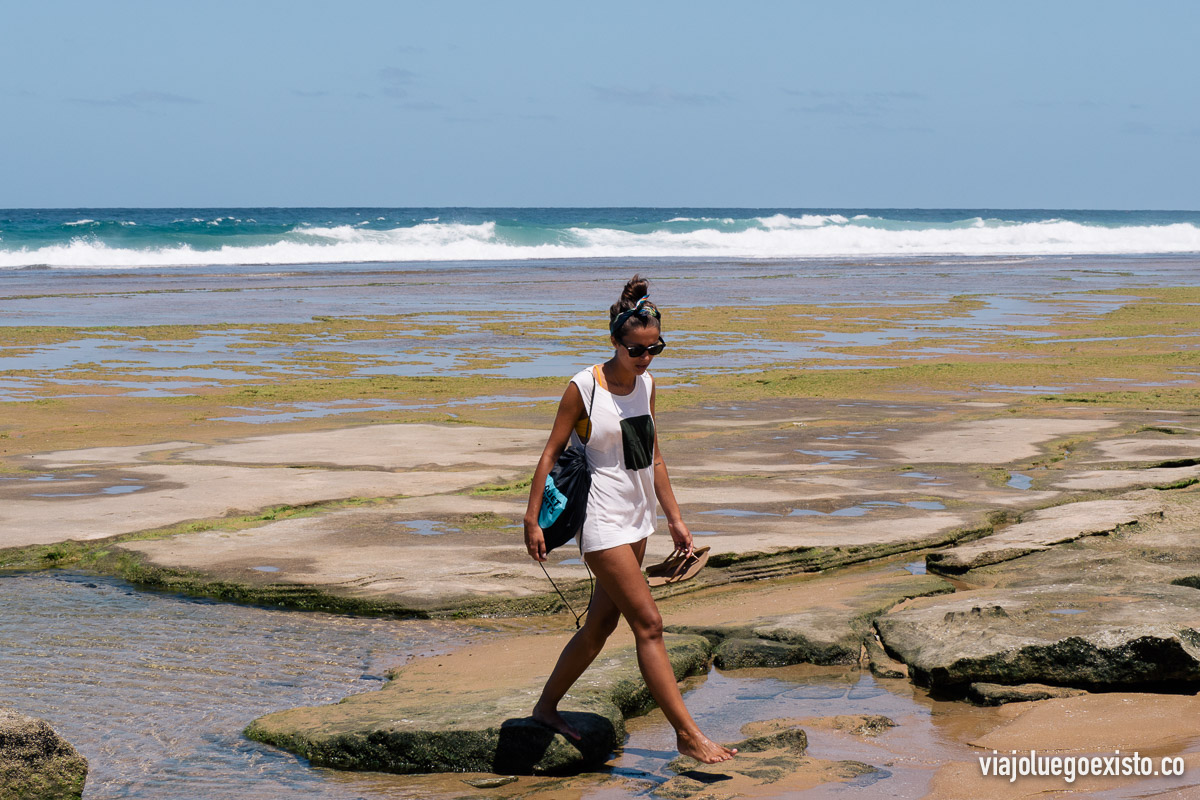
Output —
<point x="869" y="104"/>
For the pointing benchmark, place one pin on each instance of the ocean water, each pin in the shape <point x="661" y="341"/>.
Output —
<point x="138" y="238"/>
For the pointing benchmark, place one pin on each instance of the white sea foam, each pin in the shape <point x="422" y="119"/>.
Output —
<point x="783" y="221"/>
<point x="809" y="236"/>
<point x="79" y="222"/>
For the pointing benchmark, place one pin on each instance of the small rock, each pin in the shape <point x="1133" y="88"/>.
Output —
<point x="35" y="762"/>
<point x="679" y="788"/>
<point x="1065" y="635"/>
<point x="995" y="694"/>
<point x="490" y="783"/>
<point x="741" y="653"/>
<point x="882" y="665"/>
<point x="863" y="724"/>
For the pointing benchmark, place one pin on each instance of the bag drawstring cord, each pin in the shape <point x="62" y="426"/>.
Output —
<point x="591" y="593"/>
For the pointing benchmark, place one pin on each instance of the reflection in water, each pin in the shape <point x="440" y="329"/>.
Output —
<point x="154" y="690"/>
<point x="725" y="702"/>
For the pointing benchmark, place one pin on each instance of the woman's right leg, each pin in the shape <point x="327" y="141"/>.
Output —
<point x="580" y="652"/>
<point x="619" y="571"/>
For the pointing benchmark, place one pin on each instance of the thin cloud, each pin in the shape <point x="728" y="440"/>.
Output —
<point x="471" y="120"/>
<point x="1068" y="105"/>
<point x="851" y="104"/>
<point x="877" y="127"/>
<point x="817" y="94"/>
<point x="422" y="105"/>
<point x="397" y="82"/>
<point x="841" y="108"/>
<point x="1140" y="129"/>
<point x="657" y="97"/>
<point x="395" y="76"/>
<point x="140" y="99"/>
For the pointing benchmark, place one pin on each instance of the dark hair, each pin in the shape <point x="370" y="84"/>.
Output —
<point x="637" y="288"/>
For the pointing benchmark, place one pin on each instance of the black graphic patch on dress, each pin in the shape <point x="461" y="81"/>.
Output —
<point x="637" y="440"/>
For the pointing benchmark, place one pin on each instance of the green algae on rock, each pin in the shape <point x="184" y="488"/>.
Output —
<point x="423" y="722"/>
<point x="35" y="762"/>
<point x="829" y="632"/>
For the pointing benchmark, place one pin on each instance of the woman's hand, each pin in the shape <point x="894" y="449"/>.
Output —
<point x="680" y="535"/>
<point x="535" y="540"/>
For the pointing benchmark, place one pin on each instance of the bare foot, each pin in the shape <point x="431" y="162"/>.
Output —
<point x="701" y="748"/>
<point x="555" y="722"/>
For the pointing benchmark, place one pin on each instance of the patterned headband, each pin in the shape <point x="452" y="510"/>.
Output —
<point x="644" y="306"/>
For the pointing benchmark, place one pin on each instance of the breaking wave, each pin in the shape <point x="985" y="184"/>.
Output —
<point x="776" y="236"/>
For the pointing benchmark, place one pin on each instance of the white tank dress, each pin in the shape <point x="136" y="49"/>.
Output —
<point x="621" y="504"/>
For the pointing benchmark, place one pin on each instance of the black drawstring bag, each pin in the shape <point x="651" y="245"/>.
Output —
<point x="564" y="502"/>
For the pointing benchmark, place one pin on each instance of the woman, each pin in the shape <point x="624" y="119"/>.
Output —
<point x="617" y="423"/>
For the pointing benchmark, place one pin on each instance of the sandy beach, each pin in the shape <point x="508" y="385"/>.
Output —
<point x="954" y="489"/>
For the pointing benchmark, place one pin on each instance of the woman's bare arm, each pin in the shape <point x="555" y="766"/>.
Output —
<point x="680" y="534"/>
<point x="570" y="411"/>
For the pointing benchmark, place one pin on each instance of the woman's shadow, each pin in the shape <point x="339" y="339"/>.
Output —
<point x="527" y="747"/>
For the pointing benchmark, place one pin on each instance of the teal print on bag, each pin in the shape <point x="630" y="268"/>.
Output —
<point x="553" y="504"/>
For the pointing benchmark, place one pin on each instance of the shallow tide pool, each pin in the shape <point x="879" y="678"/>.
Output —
<point x="155" y="690"/>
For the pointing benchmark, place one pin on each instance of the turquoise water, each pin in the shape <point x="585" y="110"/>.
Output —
<point x="131" y="238"/>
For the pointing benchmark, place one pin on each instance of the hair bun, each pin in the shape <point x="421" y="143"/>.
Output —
<point x="635" y="289"/>
<point x="622" y="313"/>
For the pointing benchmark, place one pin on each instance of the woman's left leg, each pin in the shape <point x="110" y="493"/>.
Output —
<point x="619" y="571"/>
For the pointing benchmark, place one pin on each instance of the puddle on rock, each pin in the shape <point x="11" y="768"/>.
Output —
<point x="851" y="435"/>
<point x="1017" y="480"/>
<point x="318" y="410"/>
<point x="738" y="512"/>
<point x="122" y="489"/>
<point x="426" y="527"/>
<point x="837" y="455"/>
<point x="866" y="507"/>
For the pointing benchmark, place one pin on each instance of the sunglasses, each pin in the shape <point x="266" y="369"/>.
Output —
<point x="636" y="350"/>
